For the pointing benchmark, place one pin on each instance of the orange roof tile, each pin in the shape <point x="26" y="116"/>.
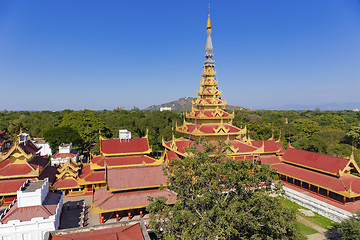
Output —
<point x="269" y="145"/>
<point x="269" y="160"/>
<point x="128" y="200"/>
<point x="66" y="183"/>
<point x="320" y="179"/>
<point x="135" y="177"/>
<point x="131" y="232"/>
<point x="113" y="146"/>
<point x="318" y="161"/>
<point x="129" y="160"/>
<point x="11" y="186"/>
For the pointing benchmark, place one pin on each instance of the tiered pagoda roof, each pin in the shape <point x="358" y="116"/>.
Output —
<point x="68" y="176"/>
<point x="209" y="119"/>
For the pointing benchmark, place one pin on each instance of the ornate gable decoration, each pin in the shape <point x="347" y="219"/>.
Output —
<point x="350" y="166"/>
<point x="217" y="113"/>
<point x="68" y="170"/>
<point x="17" y="155"/>
<point x="221" y="128"/>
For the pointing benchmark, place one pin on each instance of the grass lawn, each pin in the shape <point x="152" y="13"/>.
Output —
<point x="317" y="219"/>
<point x="306" y="230"/>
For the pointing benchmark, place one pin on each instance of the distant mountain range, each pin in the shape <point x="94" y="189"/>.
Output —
<point x="324" y="107"/>
<point x="182" y="104"/>
<point x="185" y="103"/>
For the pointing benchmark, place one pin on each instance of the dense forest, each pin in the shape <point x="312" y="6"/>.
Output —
<point x="328" y="132"/>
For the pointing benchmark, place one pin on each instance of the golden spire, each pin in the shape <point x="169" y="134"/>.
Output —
<point x="208" y="24"/>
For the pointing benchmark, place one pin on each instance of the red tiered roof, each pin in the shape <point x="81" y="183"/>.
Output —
<point x="49" y="172"/>
<point x="209" y="128"/>
<point x="242" y="147"/>
<point x="128" y="200"/>
<point x="316" y="161"/>
<point x="22" y="168"/>
<point x="38" y="162"/>
<point x="171" y="155"/>
<point x="114" y="146"/>
<point x="45" y="210"/>
<point x="66" y="183"/>
<point x="325" y="181"/>
<point x="351" y="182"/>
<point x="181" y="144"/>
<point x="269" y="160"/>
<point x="92" y="176"/>
<point x="72" y="154"/>
<point x="99" y="160"/>
<point x="130" y="232"/>
<point x="135" y="177"/>
<point x="269" y="145"/>
<point x="15" y="169"/>
<point x="29" y="147"/>
<point x="11" y="186"/>
<point x="209" y="113"/>
<point x="129" y="160"/>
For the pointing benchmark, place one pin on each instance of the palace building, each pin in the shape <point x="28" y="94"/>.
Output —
<point x="75" y="178"/>
<point x="209" y="119"/>
<point x="326" y="176"/>
<point x="19" y="164"/>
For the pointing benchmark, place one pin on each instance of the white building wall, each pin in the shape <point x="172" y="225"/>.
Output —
<point x="45" y="149"/>
<point x="65" y="148"/>
<point x="26" y="199"/>
<point x="34" y="229"/>
<point x="334" y="213"/>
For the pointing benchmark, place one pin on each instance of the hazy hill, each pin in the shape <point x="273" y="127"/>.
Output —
<point x="182" y="104"/>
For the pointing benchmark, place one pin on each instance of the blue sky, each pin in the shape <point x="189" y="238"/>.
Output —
<point x="58" y="55"/>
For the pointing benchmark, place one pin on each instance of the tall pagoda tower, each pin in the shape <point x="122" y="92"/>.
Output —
<point x="209" y="119"/>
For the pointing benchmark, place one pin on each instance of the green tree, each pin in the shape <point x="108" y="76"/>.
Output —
<point x="350" y="227"/>
<point x="353" y="136"/>
<point x="220" y="198"/>
<point x="58" y="135"/>
<point x="87" y="124"/>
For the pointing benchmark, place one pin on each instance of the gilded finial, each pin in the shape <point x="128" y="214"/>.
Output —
<point x="208" y="24"/>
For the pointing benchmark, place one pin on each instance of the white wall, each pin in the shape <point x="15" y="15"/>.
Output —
<point x="34" y="229"/>
<point x="334" y="213"/>
<point x="45" y="149"/>
<point x="26" y="199"/>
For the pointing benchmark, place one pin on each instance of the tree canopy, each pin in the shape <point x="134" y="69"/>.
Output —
<point x="350" y="227"/>
<point x="220" y="198"/>
<point x="58" y="135"/>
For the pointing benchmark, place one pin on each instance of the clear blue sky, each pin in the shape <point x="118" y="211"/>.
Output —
<point x="106" y="54"/>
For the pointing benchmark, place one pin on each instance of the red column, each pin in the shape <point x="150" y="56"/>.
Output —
<point x="129" y="215"/>
<point x="327" y="193"/>
<point x="101" y="219"/>
<point x="141" y="215"/>
<point x="117" y="217"/>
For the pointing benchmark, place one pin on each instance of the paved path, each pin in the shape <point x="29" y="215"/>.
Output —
<point x="71" y="215"/>
<point x="322" y="232"/>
